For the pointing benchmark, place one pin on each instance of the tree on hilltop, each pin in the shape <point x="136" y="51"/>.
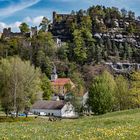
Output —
<point x="24" y="27"/>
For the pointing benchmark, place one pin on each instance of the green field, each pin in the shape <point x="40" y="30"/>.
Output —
<point x="112" y="126"/>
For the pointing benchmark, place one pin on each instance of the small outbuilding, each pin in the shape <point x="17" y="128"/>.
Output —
<point x="54" y="108"/>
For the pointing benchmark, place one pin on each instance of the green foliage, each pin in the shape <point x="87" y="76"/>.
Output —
<point x="78" y="81"/>
<point x="19" y="85"/>
<point x="63" y="52"/>
<point x="86" y="23"/>
<point x="77" y="103"/>
<point x="135" y="89"/>
<point x="46" y="42"/>
<point x="98" y="54"/>
<point x="122" y="95"/>
<point x="44" y="24"/>
<point x="42" y="51"/>
<point x="24" y="28"/>
<point x="131" y="29"/>
<point x="101" y="93"/>
<point x="79" y="47"/>
<point x="46" y="87"/>
<point x="82" y="47"/>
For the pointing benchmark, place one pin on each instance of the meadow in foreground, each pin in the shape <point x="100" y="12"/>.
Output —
<point x="113" y="126"/>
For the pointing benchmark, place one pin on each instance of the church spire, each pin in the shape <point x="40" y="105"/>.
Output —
<point x="54" y="75"/>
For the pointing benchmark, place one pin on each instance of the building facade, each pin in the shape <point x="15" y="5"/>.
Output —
<point x="54" y="108"/>
<point x="60" y="85"/>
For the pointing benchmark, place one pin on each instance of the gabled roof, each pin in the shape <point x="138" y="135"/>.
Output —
<point x="61" y="81"/>
<point x="48" y="105"/>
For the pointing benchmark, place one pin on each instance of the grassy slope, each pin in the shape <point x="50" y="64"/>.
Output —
<point x="112" y="126"/>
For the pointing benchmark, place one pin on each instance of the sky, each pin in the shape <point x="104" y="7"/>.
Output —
<point x="14" y="12"/>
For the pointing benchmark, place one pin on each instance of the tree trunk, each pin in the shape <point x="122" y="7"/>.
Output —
<point x="15" y="88"/>
<point x="17" y="113"/>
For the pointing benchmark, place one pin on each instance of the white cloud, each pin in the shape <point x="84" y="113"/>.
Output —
<point x="34" y="21"/>
<point x="15" y="26"/>
<point x="15" y="7"/>
<point x="2" y="25"/>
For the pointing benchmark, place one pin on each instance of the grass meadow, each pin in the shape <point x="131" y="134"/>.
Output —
<point x="123" y="125"/>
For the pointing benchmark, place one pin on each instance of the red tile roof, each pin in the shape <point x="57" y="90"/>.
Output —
<point x="61" y="81"/>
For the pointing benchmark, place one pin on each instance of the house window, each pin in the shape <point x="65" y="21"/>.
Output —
<point x="52" y="114"/>
<point x="48" y="114"/>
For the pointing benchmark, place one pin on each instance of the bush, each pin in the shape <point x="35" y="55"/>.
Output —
<point x="101" y="93"/>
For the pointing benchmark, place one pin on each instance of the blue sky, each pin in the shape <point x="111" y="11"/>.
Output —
<point x="13" y="12"/>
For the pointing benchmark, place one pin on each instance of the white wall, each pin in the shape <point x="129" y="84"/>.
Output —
<point x="68" y="111"/>
<point x="85" y="98"/>
<point x="48" y="112"/>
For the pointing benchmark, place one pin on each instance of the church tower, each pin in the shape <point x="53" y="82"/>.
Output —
<point x="54" y="75"/>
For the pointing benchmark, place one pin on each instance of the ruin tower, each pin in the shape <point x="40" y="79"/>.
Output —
<point x="54" y="16"/>
<point x="34" y="31"/>
<point x="6" y="32"/>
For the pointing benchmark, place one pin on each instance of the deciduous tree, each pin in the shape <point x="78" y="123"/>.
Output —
<point x="24" y="28"/>
<point x="122" y="93"/>
<point x="19" y="85"/>
<point x="135" y="89"/>
<point x="101" y="93"/>
<point x="46" y="87"/>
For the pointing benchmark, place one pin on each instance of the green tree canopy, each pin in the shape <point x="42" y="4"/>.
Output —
<point x="20" y="84"/>
<point x="101" y="93"/>
<point x="122" y="93"/>
<point x="24" y="27"/>
<point x="135" y="88"/>
<point x="45" y="24"/>
<point x="80" y="51"/>
<point x="46" y="87"/>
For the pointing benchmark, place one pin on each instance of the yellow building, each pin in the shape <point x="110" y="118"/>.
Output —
<point x="60" y="85"/>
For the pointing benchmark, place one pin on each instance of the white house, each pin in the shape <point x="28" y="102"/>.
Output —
<point x="86" y="108"/>
<point x="85" y="98"/>
<point x="54" y="108"/>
